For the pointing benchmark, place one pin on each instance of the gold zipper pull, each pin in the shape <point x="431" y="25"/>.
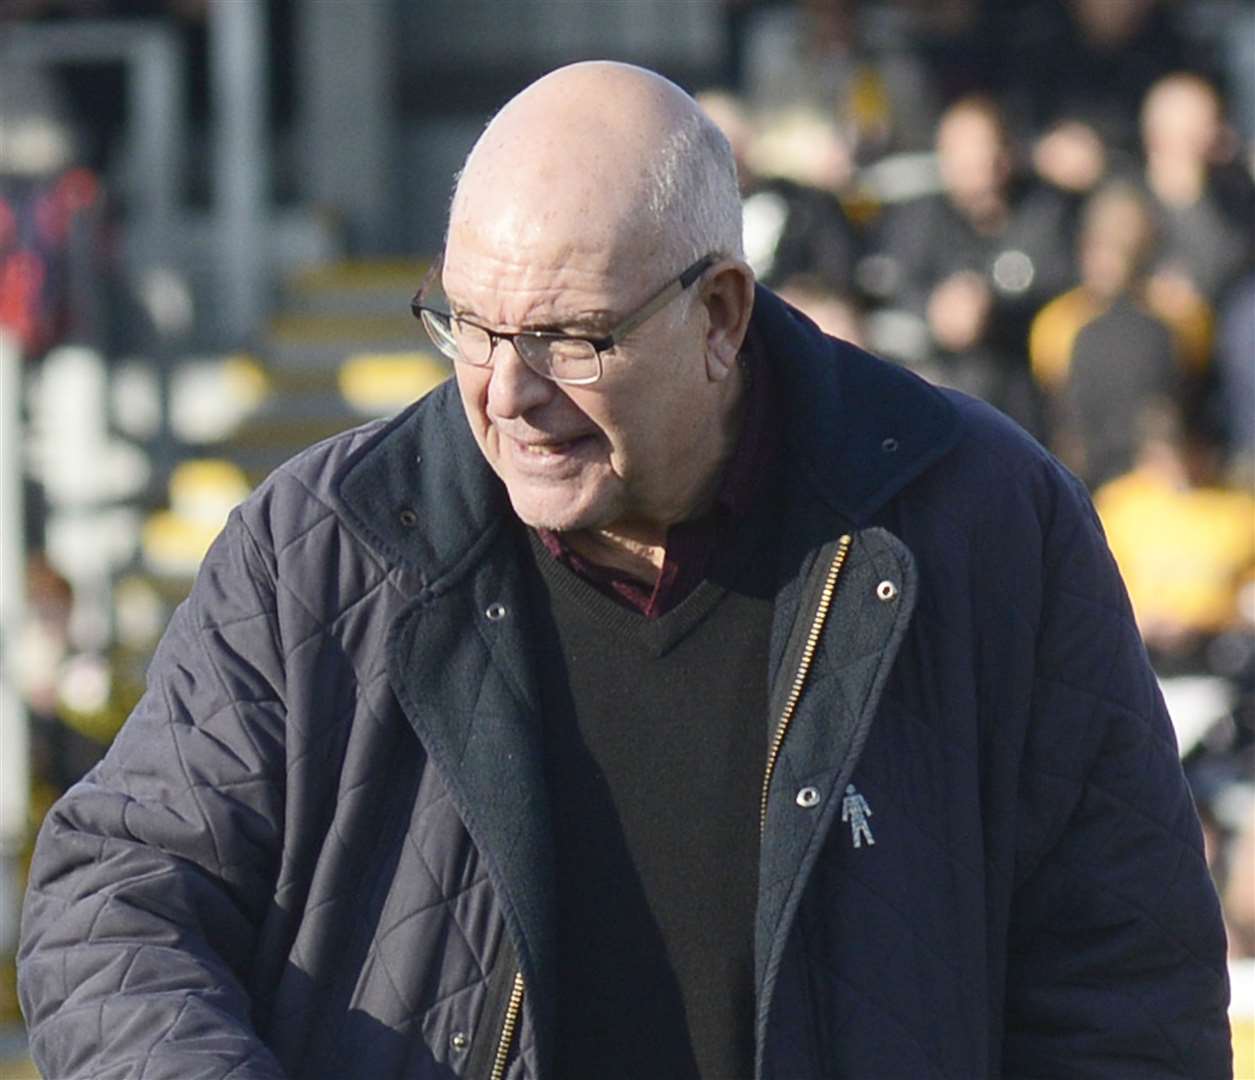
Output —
<point x="803" y="669"/>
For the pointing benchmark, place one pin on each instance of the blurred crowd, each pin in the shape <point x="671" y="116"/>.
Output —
<point x="1049" y="204"/>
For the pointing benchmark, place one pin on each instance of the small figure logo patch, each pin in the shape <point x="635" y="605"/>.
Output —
<point x="855" y="810"/>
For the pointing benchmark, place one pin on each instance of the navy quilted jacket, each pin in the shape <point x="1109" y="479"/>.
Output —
<point x="319" y="846"/>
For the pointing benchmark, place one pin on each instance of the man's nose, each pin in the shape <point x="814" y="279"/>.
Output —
<point x="513" y="387"/>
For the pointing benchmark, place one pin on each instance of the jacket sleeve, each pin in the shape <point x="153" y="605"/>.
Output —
<point x="1116" y="952"/>
<point x="151" y="875"/>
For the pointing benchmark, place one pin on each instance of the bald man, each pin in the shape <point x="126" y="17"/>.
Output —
<point x="679" y="692"/>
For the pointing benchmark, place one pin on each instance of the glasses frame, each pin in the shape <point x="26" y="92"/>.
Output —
<point x="635" y="318"/>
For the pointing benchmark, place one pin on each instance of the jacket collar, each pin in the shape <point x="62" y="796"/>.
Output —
<point x="862" y="428"/>
<point x="421" y="493"/>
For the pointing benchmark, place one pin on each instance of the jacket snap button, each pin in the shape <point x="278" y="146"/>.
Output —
<point x="459" y="1041"/>
<point x="889" y="445"/>
<point x="886" y="590"/>
<point x="495" y="612"/>
<point x="808" y="797"/>
<point x="408" y="518"/>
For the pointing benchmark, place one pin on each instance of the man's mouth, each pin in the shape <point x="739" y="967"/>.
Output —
<point x="547" y="449"/>
<point x="550" y="454"/>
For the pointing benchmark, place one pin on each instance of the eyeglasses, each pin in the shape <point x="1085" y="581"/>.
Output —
<point x="573" y="361"/>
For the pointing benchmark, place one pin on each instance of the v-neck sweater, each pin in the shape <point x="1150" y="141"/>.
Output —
<point x="655" y="744"/>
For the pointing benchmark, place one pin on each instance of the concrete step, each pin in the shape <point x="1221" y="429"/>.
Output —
<point x="367" y="288"/>
<point x="303" y="344"/>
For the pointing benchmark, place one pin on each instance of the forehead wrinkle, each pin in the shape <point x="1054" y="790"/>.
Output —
<point x="508" y="291"/>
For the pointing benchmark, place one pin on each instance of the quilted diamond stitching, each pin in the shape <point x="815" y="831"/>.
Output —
<point x="868" y="997"/>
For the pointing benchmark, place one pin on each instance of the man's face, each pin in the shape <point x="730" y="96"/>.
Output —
<point x="629" y="451"/>
<point x="1181" y="119"/>
<point x="971" y="155"/>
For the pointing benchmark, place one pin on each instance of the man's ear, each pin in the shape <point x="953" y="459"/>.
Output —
<point x="728" y="295"/>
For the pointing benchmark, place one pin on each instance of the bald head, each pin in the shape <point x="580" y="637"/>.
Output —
<point x="602" y="156"/>
<point x="586" y="212"/>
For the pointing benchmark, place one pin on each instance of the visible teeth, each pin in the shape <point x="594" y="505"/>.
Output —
<point x="546" y="450"/>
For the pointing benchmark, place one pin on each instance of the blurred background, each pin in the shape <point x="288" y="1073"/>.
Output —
<point x="213" y="214"/>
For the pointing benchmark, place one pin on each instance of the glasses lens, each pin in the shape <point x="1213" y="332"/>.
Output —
<point x="436" y="323"/>
<point x="564" y="359"/>
<point x="473" y="343"/>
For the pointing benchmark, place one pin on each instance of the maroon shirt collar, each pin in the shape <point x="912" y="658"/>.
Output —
<point x="689" y="544"/>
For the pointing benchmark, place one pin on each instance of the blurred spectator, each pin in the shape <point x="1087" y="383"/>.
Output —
<point x="1238" y="894"/>
<point x="729" y="113"/>
<point x="790" y="169"/>
<point x="1237" y="47"/>
<point x="1100" y="353"/>
<point x="1071" y="156"/>
<point x="834" y="312"/>
<point x="864" y="66"/>
<point x="98" y="91"/>
<point x="61" y="277"/>
<point x="44" y="200"/>
<point x="978" y="260"/>
<point x="1221" y="770"/>
<point x="1184" y="543"/>
<point x="1083" y="66"/>
<point x="1235" y="361"/>
<point x="1203" y="198"/>
<point x="45" y="635"/>
<point x="1123" y="361"/>
<point x="60" y="755"/>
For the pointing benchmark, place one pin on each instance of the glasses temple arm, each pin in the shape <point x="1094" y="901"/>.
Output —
<point x="660" y="300"/>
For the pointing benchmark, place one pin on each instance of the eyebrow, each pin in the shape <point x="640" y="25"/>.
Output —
<point x="587" y="324"/>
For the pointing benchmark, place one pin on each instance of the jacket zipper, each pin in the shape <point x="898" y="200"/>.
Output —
<point x="508" y="1028"/>
<point x="803" y="669"/>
